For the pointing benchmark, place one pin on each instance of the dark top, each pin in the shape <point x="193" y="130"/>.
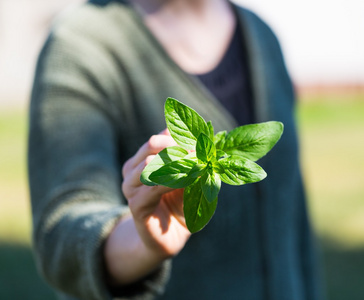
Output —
<point x="229" y="80"/>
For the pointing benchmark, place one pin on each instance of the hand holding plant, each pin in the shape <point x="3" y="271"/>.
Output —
<point x="203" y="159"/>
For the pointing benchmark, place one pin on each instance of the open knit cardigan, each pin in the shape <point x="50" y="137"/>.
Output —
<point x="98" y="95"/>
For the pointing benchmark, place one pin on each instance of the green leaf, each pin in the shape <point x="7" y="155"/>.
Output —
<point x="220" y="154"/>
<point x="191" y="155"/>
<point x="219" y="139"/>
<point x="197" y="210"/>
<point x="238" y="170"/>
<point x="205" y="148"/>
<point x="253" y="141"/>
<point x="184" y="124"/>
<point x="214" y="158"/>
<point x="210" y="184"/>
<point x="197" y="170"/>
<point x="164" y="157"/>
<point x="211" y="130"/>
<point x="174" y="174"/>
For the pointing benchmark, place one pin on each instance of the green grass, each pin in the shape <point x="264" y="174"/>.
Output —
<point x="13" y="139"/>
<point x="332" y="142"/>
<point x="18" y="277"/>
<point x="15" y="217"/>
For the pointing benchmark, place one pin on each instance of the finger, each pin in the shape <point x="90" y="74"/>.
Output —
<point x="132" y="179"/>
<point x="174" y="200"/>
<point x="145" y="199"/>
<point x="155" y="144"/>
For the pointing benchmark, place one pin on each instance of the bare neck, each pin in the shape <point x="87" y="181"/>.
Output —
<point x="168" y="6"/>
<point x="195" y="33"/>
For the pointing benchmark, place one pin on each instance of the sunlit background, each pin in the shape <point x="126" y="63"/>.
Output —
<point x="323" y="43"/>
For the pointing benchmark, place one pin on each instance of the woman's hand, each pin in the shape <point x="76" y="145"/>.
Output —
<point x="156" y="230"/>
<point x="157" y="211"/>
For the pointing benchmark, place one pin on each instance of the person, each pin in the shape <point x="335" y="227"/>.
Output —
<point x="96" y="119"/>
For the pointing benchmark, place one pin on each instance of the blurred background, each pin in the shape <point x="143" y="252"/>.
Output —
<point x="323" y="42"/>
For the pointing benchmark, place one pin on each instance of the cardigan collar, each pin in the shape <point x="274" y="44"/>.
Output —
<point x="203" y="99"/>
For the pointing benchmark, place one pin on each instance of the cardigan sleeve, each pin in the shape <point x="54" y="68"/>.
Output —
<point x="74" y="165"/>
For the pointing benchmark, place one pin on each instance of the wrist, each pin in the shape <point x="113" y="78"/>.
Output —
<point x="127" y="257"/>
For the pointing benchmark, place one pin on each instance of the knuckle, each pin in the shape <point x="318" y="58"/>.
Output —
<point x="148" y="159"/>
<point x="153" y="142"/>
<point x="125" y="188"/>
<point x="125" y="168"/>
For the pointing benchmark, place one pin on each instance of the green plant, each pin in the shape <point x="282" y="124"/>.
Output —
<point x="203" y="159"/>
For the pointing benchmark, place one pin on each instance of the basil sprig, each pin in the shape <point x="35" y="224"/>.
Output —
<point x="212" y="159"/>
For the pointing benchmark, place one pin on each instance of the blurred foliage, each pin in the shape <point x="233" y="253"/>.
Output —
<point x="332" y="142"/>
<point x="14" y="204"/>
